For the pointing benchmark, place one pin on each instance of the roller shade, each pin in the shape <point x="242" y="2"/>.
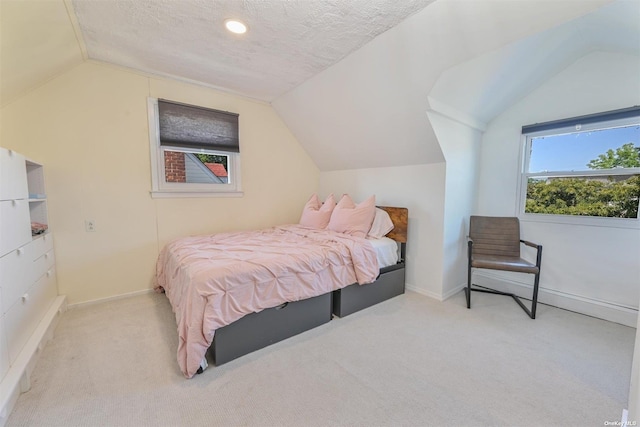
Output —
<point x="188" y="126"/>
<point x="623" y="113"/>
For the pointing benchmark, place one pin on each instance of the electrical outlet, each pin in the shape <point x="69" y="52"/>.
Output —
<point x="89" y="225"/>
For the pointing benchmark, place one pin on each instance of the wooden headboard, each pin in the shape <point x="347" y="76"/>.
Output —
<point x="400" y="218"/>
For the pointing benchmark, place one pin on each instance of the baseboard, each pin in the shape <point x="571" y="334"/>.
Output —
<point x="114" y="298"/>
<point x="18" y="378"/>
<point x="624" y="315"/>
<point x="421" y="291"/>
<point x="435" y="295"/>
<point x="453" y="291"/>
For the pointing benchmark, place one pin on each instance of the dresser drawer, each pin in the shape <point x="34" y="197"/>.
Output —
<point x="4" y="354"/>
<point x="15" y="226"/>
<point x="41" y="265"/>
<point x="23" y="317"/>
<point x="16" y="275"/>
<point x="41" y="245"/>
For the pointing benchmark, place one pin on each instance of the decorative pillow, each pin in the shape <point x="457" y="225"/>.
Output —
<point x="316" y="214"/>
<point x="350" y="219"/>
<point x="382" y="224"/>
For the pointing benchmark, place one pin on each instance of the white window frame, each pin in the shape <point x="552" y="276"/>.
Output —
<point x="524" y="176"/>
<point x="162" y="189"/>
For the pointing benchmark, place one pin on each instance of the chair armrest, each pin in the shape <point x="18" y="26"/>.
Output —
<point x="528" y="243"/>
<point x="538" y="248"/>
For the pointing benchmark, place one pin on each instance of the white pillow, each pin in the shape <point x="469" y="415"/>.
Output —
<point x="381" y="225"/>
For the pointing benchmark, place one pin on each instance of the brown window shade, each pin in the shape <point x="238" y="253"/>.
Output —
<point x="188" y="126"/>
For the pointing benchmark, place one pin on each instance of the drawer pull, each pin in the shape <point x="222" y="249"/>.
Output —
<point x="48" y="273"/>
<point x="20" y="251"/>
<point x="25" y="297"/>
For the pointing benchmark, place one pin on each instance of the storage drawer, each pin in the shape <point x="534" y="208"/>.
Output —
<point x="15" y="226"/>
<point x="257" y="330"/>
<point x="23" y="317"/>
<point x="16" y="275"/>
<point x="41" y="265"/>
<point x="356" y="297"/>
<point x="4" y="354"/>
<point x="41" y="245"/>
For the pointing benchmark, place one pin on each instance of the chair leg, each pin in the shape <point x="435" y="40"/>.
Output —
<point x="534" y="300"/>
<point x="468" y="290"/>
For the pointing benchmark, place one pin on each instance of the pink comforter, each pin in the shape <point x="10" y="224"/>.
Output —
<point x="214" y="280"/>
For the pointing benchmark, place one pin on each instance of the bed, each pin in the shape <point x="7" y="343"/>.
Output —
<point x="233" y="293"/>
<point x="390" y="282"/>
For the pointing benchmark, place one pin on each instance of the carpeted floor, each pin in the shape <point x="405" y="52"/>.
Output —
<point x="411" y="361"/>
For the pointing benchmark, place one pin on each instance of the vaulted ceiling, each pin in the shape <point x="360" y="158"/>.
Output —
<point x="353" y="79"/>
<point x="468" y="60"/>
<point x="287" y="42"/>
<point x="486" y="85"/>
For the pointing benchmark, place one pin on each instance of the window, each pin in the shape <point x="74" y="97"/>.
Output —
<point x="586" y="166"/>
<point x="195" y="151"/>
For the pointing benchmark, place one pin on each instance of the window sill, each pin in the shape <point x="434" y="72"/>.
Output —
<point x="193" y="194"/>
<point x="588" y="221"/>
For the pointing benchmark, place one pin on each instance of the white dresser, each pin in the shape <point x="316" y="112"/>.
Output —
<point x="29" y="301"/>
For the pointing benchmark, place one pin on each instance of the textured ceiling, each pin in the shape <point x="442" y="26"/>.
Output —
<point x="369" y="110"/>
<point x="350" y="78"/>
<point x="288" y="41"/>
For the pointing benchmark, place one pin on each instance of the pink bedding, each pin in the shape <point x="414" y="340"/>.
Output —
<point x="214" y="280"/>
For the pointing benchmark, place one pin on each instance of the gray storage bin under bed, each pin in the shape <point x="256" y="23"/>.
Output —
<point x="257" y="330"/>
<point x="356" y="297"/>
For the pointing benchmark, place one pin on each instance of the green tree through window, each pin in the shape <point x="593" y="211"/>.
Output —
<point x="606" y="196"/>
<point x="627" y="156"/>
<point x="213" y="158"/>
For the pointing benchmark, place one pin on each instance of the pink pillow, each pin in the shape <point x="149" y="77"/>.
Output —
<point x="316" y="214"/>
<point x="350" y="219"/>
<point x="382" y="224"/>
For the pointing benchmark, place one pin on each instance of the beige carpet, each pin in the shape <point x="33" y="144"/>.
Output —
<point x="411" y="361"/>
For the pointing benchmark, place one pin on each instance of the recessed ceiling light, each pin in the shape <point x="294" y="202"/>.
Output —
<point x="235" y="26"/>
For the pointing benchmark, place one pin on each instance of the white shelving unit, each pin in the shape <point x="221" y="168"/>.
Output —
<point x="37" y="194"/>
<point x="29" y="301"/>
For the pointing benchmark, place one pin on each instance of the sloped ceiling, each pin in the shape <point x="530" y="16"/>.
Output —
<point x="37" y="42"/>
<point x="366" y="109"/>
<point x="486" y="85"/>
<point x="287" y="42"/>
<point x="369" y="110"/>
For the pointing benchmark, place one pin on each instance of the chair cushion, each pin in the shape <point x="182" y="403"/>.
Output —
<point x="503" y="263"/>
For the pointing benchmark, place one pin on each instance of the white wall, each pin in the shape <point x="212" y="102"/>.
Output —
<point x="419" y="188"/>
<point x="460" y="145"/>
<point x="634" y="387"/>
<point x="440" y="197"/>
<point x="89" y="128"/>
<point x="594" y="270"/>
